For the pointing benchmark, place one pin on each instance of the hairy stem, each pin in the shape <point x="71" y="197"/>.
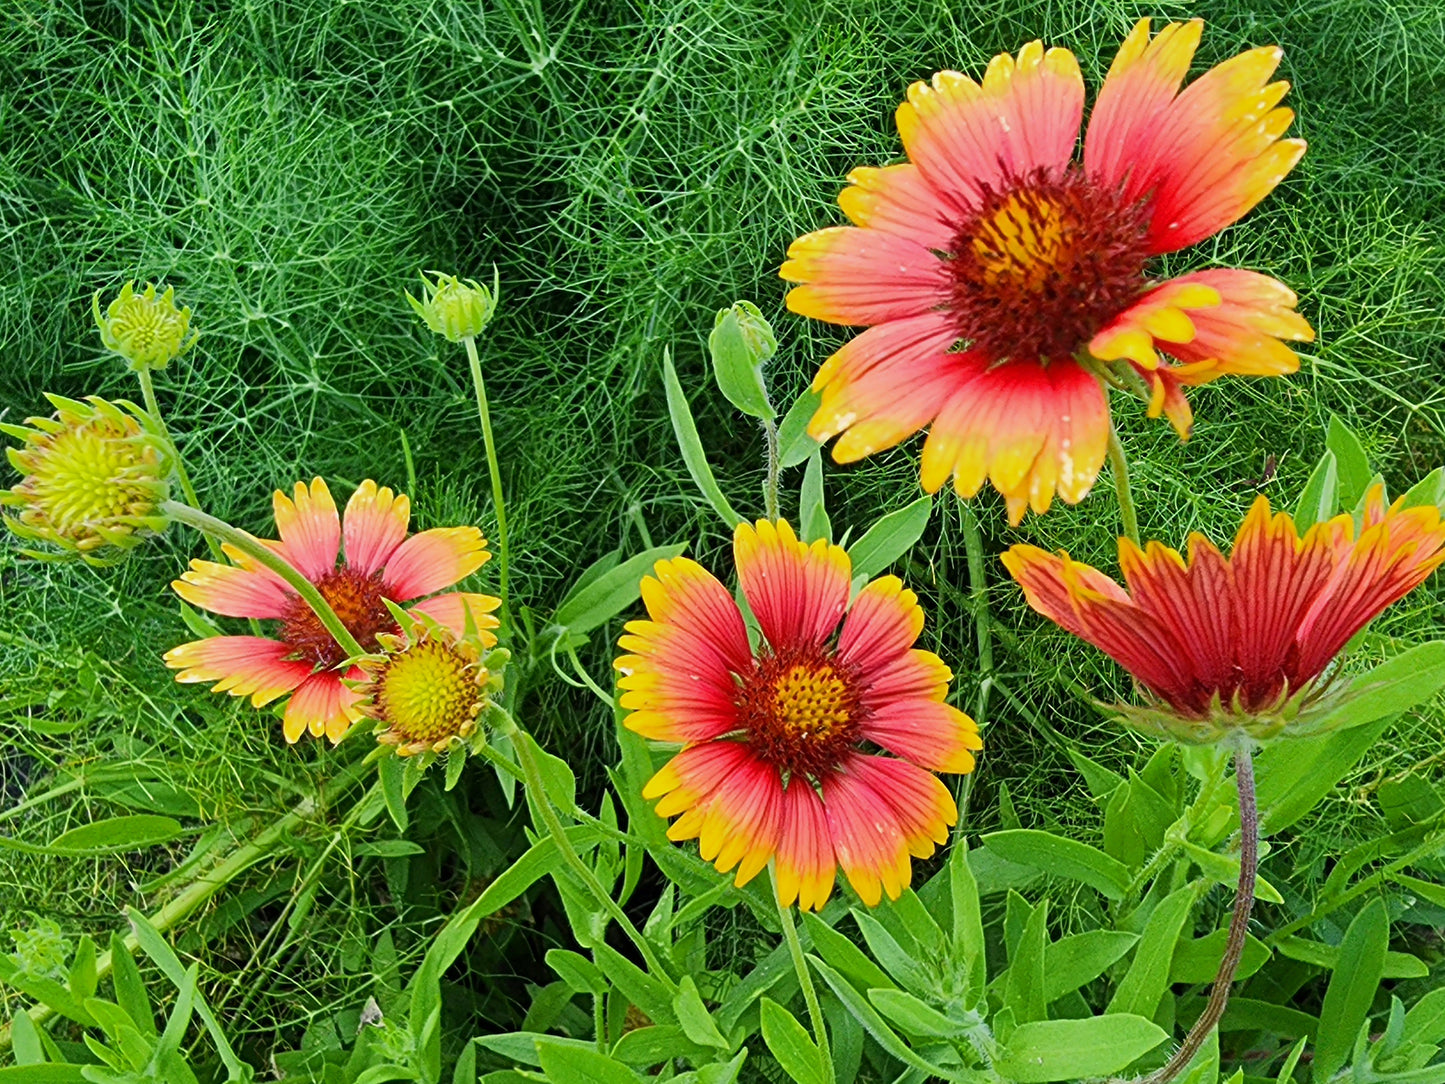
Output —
<point x="484" y="414"/>
<point x="248" y="544"/>
<point x="1238" y="924"/>
<point x="770" y="487"/>
<point x="1121" y="485"/>
<point x="805" y="978"/>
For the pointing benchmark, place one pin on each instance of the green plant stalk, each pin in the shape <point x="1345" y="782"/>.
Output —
<point x="983" y="631"/>
<point x="770" y="487"/>
<point x="247" y="544"/>
<point x="494" y="468"/>
<point x="195" y="895"/>
<point x="1120" y="463"/>
<point x="153" y="408"/>
<point x="805" y="978"/>
<point x="1173" y="840"/>
<point x="1238" y="923"/>
<point x="532" y="778"/>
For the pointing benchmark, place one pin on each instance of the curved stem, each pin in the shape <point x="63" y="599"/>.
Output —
<point x="1121" y="485"/>
<point x="248" y="544"/>
<point x="1238" y="924"/>
<point x="494" y="468"/>
<point x="805" y="978"/>
<point x="532" y="776"/>
<point x="153" y="408"/>
<point x="770" y="487"/>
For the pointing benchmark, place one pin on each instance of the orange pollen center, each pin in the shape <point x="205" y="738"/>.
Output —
<point x="800" y="712"/>
<point x="1043" y="263"/>
<point x="356" y="598"/>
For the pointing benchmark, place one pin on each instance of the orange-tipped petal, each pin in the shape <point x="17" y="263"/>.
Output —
<point x="465" y="613"/>
<point x="433" y="560"/>
<point x="374" y="525"/>
<point x="897" y="200"/>
<point x="882" y="623"/>
<point x="928" y="733"/>
<point x="854" y="276"/>
<point x="240" y="665"/>
<point x="309" y="527"/>
<point x="1167" y="312"/>
<point x="232" y="591"/>
<point x="805" y="862"/>
<point x="323" y="706"/>
<point x="796" y="591"/>
<point x="1243" y="335"/>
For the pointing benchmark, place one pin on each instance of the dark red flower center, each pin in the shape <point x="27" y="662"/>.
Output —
<point x="1044" y="262"/>
<point x="800" y="710"/>
<point x="356" y="598"/>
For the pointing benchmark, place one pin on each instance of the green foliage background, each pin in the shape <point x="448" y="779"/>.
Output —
<point x="629" y="168"/>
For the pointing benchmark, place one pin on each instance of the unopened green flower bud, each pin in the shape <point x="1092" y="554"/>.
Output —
<point x="144" y="329"/>
<point x="95" y="475"/>
<point x="457" y="308"/>
<point x="741" y="343"/>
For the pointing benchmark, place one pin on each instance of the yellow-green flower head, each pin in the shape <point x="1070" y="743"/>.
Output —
<point x="94" y="476"/>
<point x="144" y="329"/>
<point x="459" y="309"/>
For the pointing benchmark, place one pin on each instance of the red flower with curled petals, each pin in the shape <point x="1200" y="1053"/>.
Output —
<point x="302" y="659"/>
<point x="999" y="278"/>
<point x="1238" y="642"/>
<point x="781" y="745"/>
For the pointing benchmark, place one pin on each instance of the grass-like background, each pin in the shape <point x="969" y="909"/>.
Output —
<point x="629" y="169"/>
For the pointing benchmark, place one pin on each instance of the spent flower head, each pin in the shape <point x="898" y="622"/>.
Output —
<point x="94" y="476"/>
<point x="457" y="308"/>
<point x="148" y="331"/>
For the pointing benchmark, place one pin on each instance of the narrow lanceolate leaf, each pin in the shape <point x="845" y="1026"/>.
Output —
<point x="1354" y="466"/>
<point x="812" y="515"/>
<point x="1062" y="857"/>
<point x="1048" y="1050"/>
<point x="1080" y="958"/>
<point x="890" y="538"/>
<point x="117" y="834"/>
<point x="691" y="445"/>
<point x="794" y="444"/>
<point x="1352" y="988"/>
<point x="612" y="591"/>
<point x="789" y="1043"/>
<point x="1143" y="985"/>
<point x="1394" y="686"/>
<point x="1320" y="498"/>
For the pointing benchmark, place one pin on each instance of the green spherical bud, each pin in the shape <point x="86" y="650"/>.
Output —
<point x="145" y="329"/>
<point x="459" y="309"/>
<point x="741" y="343"/>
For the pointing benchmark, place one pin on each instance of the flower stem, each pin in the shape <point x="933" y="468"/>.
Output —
<point x="532" y="776"/>
<point x="247" y="544"/>
<point x="1121" y="485"/>
<point x="1238" y="924"/>
<point x="485" y="416"/>
<point x="153" y="408"/>
<point x="770" y="487"/>
<point x="983" y="629"/>
<point x="805" y="979"/>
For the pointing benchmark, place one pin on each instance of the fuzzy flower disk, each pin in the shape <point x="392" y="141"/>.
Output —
<point x="998" y="276"/>
<point x="301" y="657"/>
<point x="93" y="477"/>
<point x="1238" y="642"/>
<point x="817" y="749"/>
<point x="425" y="690"/>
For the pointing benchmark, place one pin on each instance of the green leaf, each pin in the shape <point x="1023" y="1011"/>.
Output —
<point x="1143" y="985"/>
<point x="1396" y="685"/>
<point x="884" y="1035"/>
<point x="1047" y="1050"/>
<point x="557" y="778"/>
<point x="812" y="516"/>
<point x="1062" y="857"/>
<point x="694" y="1019"/>
<point x="387" y="848"/>
<point x="42" y="1074"/>
<point x="1197" y="959"/>
<point x="25" y="1041"/>
<point x="578" y="972"/>
<point x="1101" y="781"/>
<point x="1425" y="1022"/>
<point x="890" y="538"/>
<point x="1286" y="1071"/>
<point x="691" y="445"/>
<point x="789" y="1042"/>
<point x="794" y="444"/>
<point x="968" y="942"/>
<point x="1072" y="961"/>
<point x="913" y="1015"/>
<point x="741" y="343"/>
<point x="568" y="1064"/>
<point x="1352" y="988"/>
<point x="1320" y="499"/>
<point x="116" y="835"/>
<point x="1354" y="469"/>
<point x="1397" y="965"/>
<point x="896" y="960"/>
<point x="83" y="977"/>
<point x="844" y="954"/>
<point x="44" y="990"/>
<point x="611" y="592"/>
<point x="391" y="772"/>
<point x="1428" y="490"/>
<point x="657" y="1043"/>
<point x="1294" y="775"/>
<point x="1249" y="1014"/>
<point x="1024" y="987"/>
<point x="640" y="988"/>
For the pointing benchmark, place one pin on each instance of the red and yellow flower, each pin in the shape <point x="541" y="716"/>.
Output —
<point x="783" y="744"/>
<point x="1000" y="279"/>
<point x="301" y="658"/>
<point x="1223" y="644"/>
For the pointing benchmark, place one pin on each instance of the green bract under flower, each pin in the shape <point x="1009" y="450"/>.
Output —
<point x="148" y="331"/>
<point x="94" y="477"/>
<point x="459" y="309"/>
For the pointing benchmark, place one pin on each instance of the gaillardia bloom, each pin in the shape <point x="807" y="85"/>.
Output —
<point x="301" y="658"/>
<point x="782" y="745"/>
<point x="427" y="688"/>
<point x="148" y="331"/>
<point x="1001" y="280"/>
<point x="457" y="308"/>
<point x="94" y="476"/>
<point x="1224" y="644"/>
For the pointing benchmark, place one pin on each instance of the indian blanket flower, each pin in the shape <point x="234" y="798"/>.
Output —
<point x="783" y="745"/>
<point x="1001" y="281"/>
<point x="148" y="331"/>
<point x="1243" y="642"/>
<point x="301" y="658"/>
<point x="93" y="477"/>
<point x="427" y="687"/>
